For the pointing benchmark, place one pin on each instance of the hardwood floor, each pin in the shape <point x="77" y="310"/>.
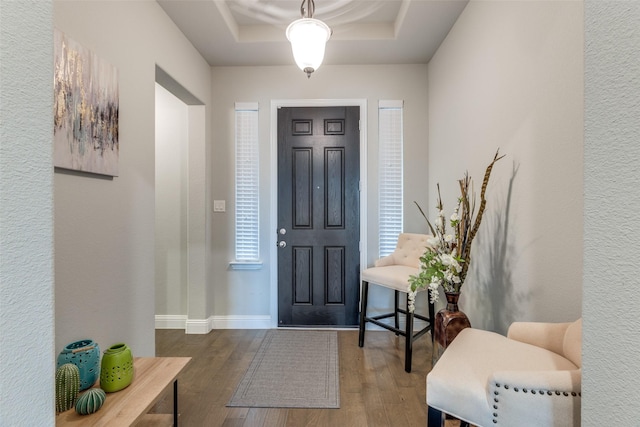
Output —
<point x="374" y="388"/>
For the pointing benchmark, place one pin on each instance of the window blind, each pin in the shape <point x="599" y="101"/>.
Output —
<point x="390" y="185"/>
<point x="247" y="182"/>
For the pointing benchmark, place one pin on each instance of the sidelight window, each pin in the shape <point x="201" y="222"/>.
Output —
<point x="247" y="183"/>
<point x="390" y="182"/>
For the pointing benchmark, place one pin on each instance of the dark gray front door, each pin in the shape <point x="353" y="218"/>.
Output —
<point x="318" y="212"/>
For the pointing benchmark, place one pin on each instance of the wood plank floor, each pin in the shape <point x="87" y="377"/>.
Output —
<point x="374" y="388"/>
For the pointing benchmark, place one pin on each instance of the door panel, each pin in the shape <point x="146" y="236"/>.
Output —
<point x="318" y="206"/>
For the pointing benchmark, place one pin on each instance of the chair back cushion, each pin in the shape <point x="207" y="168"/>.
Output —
<point x="572" y="345"/>
<point x="409" y="249"/>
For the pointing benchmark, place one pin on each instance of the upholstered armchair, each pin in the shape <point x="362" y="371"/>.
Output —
<point x="532" y="377"/>
<point x="393" y="272"/>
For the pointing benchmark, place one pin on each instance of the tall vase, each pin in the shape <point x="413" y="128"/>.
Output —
<point x="117" y="368"/>
<point x="85" y="354"/>
<point x="448" y="324"/>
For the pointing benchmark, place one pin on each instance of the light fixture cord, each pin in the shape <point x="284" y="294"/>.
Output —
<point x="310" y="9"/>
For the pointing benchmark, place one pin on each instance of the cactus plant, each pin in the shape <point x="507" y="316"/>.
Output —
<point x="90" y="401"/>
<point x="67" y="386"/>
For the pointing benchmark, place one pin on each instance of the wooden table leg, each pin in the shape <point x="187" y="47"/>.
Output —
<point x="175" y="403"/>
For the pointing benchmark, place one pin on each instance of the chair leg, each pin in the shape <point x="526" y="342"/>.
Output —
<point x="435" y="418"/>
<point x="363" y="312"/>
<point x="396" y="307"/>
<point x="408" y="339"/>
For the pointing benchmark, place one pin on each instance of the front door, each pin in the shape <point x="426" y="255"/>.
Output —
<point x="318" y="216"/>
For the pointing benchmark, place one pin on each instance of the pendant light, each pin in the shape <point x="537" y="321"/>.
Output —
<point x="308" y="37"/>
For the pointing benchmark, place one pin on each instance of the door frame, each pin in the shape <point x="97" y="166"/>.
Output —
<point x="273" y="209"/>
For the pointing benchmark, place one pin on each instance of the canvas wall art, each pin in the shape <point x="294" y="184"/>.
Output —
<point x="86" y="103"/>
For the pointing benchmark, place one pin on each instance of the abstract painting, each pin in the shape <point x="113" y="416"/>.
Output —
<point x="86" y="103"/>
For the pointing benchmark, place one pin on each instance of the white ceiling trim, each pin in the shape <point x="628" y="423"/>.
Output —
<point x="228" y="18"/>
<point x="343" y="28"/>
<point x="402" y="13"/>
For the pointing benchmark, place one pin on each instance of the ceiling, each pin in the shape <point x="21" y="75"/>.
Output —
<point x="252" y="32"/>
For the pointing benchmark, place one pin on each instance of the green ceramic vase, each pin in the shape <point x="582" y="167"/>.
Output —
<point x="116" y="371"/>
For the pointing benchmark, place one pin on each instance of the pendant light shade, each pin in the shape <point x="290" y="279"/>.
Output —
<point x="308" y="37"/>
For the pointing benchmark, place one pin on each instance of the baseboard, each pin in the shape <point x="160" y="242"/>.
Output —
<point x="197" y="326"/>
<point x="171" y="321"/>
<point x="204" y="326"/>
<point x="240" y="322"/>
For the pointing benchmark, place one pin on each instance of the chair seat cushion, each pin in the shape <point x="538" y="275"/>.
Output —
<point x="390" y="276"/>
<point x="458" y="383"/>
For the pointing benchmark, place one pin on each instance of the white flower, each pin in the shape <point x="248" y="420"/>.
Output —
<point x="433" y="241"/>
<point x="448" y="276"/>
<point x="448" y="238"/>
<point x="454" y="216"/>
<point x="447" y="259"/>
<point x="412" y="299"/>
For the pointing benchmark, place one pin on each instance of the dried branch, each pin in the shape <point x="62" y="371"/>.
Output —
<point x="476" y="225"/>
<point x="433" y="231"/>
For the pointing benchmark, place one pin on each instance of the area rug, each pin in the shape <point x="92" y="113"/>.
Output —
<point x="292" y="369"/>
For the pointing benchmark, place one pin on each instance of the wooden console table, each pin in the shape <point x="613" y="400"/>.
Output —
<point x="129" y="406"/>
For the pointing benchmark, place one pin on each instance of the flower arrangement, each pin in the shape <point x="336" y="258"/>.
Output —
<point x="446" y="260"/>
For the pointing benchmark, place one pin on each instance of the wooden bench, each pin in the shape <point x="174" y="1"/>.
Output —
<point x="129" y="406"/>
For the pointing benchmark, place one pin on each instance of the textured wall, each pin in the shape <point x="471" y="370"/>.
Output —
<point x="611" y="364"/>
<point x="26" y="214"/>
<point x="509" y="75"/>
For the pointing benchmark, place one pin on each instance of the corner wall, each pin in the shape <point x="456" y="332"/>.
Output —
<point x="611" y="304"/>
<point x="26" y="214"/>
<point x="104" y="228"/>
<point x="510" y="75"/>
<point x="171" y="206"/>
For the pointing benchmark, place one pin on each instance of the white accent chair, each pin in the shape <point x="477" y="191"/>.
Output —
<point x="393" y="272"/>
<point x="532" y="377"/>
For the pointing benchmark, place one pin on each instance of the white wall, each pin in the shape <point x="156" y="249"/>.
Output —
<point x="510" y="75"/>
<point x="171" y="208"/>
<point x="26" y="215"/>
<point x="104" y="228"/>
<point x="612" y="226"/>
<point x="246" y="294"/>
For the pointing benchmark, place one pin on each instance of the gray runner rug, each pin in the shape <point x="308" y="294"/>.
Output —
<point x="292" y="369"/>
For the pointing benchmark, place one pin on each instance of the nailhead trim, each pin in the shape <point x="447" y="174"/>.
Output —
<point x="524" y="390"/>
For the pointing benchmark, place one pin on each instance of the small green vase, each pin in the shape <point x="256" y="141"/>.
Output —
<point x="116" y="371"/>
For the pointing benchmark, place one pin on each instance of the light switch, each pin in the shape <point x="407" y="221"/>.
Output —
<point x="219" y="206"/>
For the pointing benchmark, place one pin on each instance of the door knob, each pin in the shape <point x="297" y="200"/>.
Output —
<point x="282" y="244"/>
<point x="282" y="231"/>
